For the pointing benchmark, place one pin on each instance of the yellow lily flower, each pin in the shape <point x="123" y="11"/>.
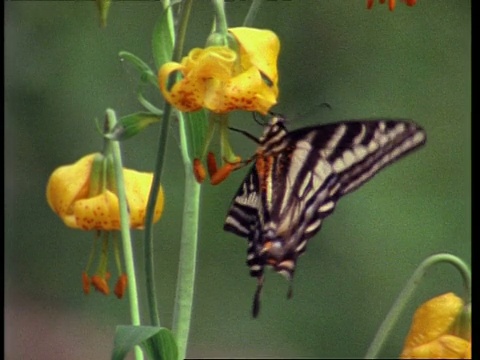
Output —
<point x="436" y="332"/>
<point x="85" y="198"/>
<point x="68" y="195"/>
<point x="221" y="80"/>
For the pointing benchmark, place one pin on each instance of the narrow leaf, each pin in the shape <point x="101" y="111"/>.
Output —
<point x="146" y="73"/>
<point x="197" y="125"/>
<point x="162" y="43"/>
<point x="162" y="346"/>
<point x="158" y="342"/>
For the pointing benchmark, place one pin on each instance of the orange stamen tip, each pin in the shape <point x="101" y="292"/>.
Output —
<point x="211" y="164"/>
<point x="121" y="286"/>
<point x="199" y="170"/>
<point x="222" y="173"/>
<point x="100" y="284"/>
<point x="85" y="283"/>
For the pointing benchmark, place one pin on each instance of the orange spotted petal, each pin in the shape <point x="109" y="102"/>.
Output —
<point x="67" y="184"/>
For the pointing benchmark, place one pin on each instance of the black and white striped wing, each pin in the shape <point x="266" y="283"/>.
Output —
<point x="330" y="161"/>
<point x="245" y="219"/>
<point x="245" y="209"/>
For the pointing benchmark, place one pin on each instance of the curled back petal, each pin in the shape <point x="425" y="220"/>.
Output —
<point x="212" y="62"/>
<point x="67" y="184"/>
<point x="249" y="92"/>
<point x="100" y="212"/>
<point x="203" y="70"/>
<point x="433" y="319"/>
<point x="137" y="185"/>
<point x="260" y="48"/>
<point x="186" y="94"/>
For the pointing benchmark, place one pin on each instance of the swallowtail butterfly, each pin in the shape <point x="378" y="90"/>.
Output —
<point x="298" y="177"/>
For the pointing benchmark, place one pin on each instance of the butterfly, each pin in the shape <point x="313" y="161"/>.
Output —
<point x="297" y="178"/>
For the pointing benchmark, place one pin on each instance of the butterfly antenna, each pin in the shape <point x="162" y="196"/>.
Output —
<point x="258" y="121"/>
<point x="247" y="134"/>
<point x="256" y="297"/>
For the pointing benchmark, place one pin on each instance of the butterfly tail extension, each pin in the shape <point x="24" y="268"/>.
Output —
<point x="256" y="297"/>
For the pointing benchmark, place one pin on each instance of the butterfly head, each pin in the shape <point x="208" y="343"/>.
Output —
<point x="275" y="126"/>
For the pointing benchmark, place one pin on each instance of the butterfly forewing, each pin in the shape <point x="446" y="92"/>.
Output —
<point x="298" y="177"/>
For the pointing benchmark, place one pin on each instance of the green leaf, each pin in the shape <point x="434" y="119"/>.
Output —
<point x="158" y="342"/>
<point x="197" y="124"/>
<point x="162" y="346"/>
<point x="162" y="39"/>
<point x="130" y="125"/>
<point x="148" y="105"/>
<point x="146" y="73"/>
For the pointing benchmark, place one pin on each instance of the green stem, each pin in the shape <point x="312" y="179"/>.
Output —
<point x="125" y="231"/>
<point x="220" y="18"/>
<point x="162" y="144"/>
<point x="252" y="13"/>
<point x="407" y="292"/>
<point x="225" y="148"/>
<point x="212" y="126"/>
<point x="188" y="252"/>
<point x="171" y="27"/>
<point x="182" y="312"/>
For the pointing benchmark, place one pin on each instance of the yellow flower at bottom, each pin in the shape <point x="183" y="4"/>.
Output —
<point x="221" y="80"/>
<point x="69" y="196"/>
<point x="444" y="347"/>
<point x="84" y="196"/>
<point x="433" y="333"/>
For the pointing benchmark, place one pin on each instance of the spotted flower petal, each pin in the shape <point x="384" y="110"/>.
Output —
<point x="221" y="80"/>
<point x="68" y="194"/>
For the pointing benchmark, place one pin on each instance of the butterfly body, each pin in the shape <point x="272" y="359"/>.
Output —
<point x="297" y="179"/>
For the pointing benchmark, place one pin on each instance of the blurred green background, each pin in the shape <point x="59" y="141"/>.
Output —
<point x="62" y="71"/>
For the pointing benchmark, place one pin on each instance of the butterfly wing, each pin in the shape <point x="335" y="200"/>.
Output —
<point x="245" y="219"/>
<point x="329" y="161"/>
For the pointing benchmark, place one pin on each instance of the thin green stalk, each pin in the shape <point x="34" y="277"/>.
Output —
<point x="220" y="17"/>
<point x="162" y="144"/>
<point x="407" y="292"/>
<point x="125" y="230"/>
<point x="182" y="312"/>
<point x="212" y="127"/>
<point x="188" y="252"/>
<point x="252" y="13"/>
<point x="171" y="27"/>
